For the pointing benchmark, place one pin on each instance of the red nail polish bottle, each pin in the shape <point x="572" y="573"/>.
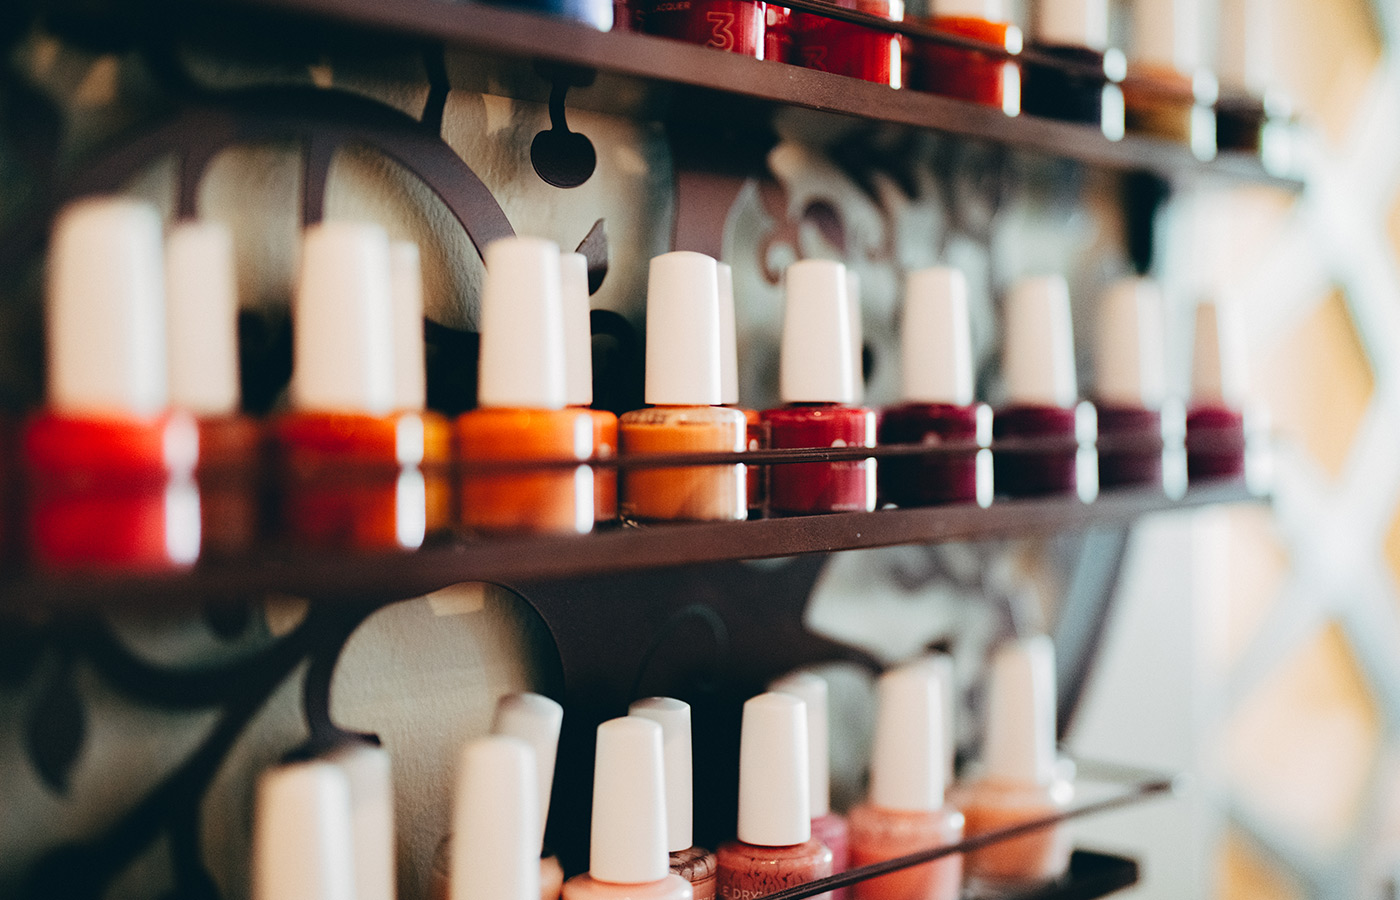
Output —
<point x="828" y="827"/>
<point x="1075" y="32"/>
<point x="578" y="365"/>
<point x="733" y="25"/>
<point x="757" y="432"/>
<point x="969" y="74"/>
<point x="695" y="864"/>
<point x="817" y="385"/>
<point x="1129" y="384"/>
<point x="1215" y="426"/>
<point x="1167" y="93"/>
<point x="1038" y="369"/>
<point x="778" y="43"/>
<point x="110" y="473"/>
<point x="827" y="45"/>
<point x="938" y="405"/>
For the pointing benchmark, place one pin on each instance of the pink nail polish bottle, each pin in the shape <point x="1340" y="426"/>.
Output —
<point x="367" y="772"/>
<point x="1215" y="426"/>
<point x="303" y="840"/>
<point x="775" y="849"/>
<point x="495" y="818"/>
<point x="905" y="812"/>
<point x="938" y="406"/>
<point x="695" y="864"/>
<point x="817" y="385"/>
<point x="828" y="827"/>
<point x="1020" y="779"/>
<point x="627" y="857"/>
<point x="578" y="364"/>
<point x="1129" y="385"/>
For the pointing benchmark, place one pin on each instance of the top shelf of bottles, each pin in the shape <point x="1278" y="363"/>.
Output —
<point x="737" y="99"/>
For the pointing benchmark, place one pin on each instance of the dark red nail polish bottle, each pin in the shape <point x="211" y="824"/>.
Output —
<point x="1215" y="435"/>
<point x="1128" y="385"/>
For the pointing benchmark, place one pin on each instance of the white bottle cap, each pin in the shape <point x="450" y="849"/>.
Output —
<point x="106" y="309"/>
<point x="1168" y="33"/>
<point x="683" y="333"/>
<point x="990" y="10"/>
<point x="303" y="845"/>
<point x="1246" y="45"/>
<point x="812" y="690"/>
<point x="857" y="328"/>
<point x="494" y="822"/>
<point x="522" y="326"/>
<point x="1038" y="353"/>
<point x="936" y="339"/>
<point x="410" y="376"/>
<point x="1217" y="365"/>
<point x="906" y="757"/>
<point x="629" y="804"/>
<point x="941" y="669"/>
<point x="578" y="330"/>
<point x="774" y="785"/>
<point x="1128" y="362"/>
<point x="366" y="770"/>
<point x="674" y="718"/>
<point x="536" y="720"/>
<point x="1020" y="740"/>
<point x="201" y="306"/>
<point x="343" y="347"/>
<point x="1073" y="23"/>
<point x="728" y="338"/>
<point x="816" y="349"/>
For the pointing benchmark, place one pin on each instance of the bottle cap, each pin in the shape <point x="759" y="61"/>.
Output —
<point x="1020" y="739"/>
<point x="812" y="690"/>
<point x="683" y="334"/>
<point x="495" y="855"/>
<point x="366" y="771"/>
<point x="774" y="785"/>
<point x="1128" y="361"/>
<point x="1038" y="353"/>
<point x="937" y="338"/>
<point x="1246" y="45"/>
<point x="303" y="847"/>
<point x="410" y="375"/>
<point x="1217" y="366"/>
<point x="536" y="720"/>
<point x="816" y="349"/>
<point x="1168" y="33"/>
<point x="942" y="670"/>
<point x="906" y="758"/>
<point x="629" y="804"/>
<point x="728" y="338"/>
<point x="987" y="10"/>
<point x="201" y="315"/>
<point x="522" y="326"/>
<point x="674" y="718"/>
<point x="578" y="330"/>
<point x="857" y="327"/>
<point x="1073" y="23"/>
<point x="106" y="309"/>
<point x="343" y="348"/>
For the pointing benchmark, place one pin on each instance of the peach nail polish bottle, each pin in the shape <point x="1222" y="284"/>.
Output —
<point x="1215" y="425"/>
<point x="684" y="393"/>
<point x="729" y="388"/>
<point x="627" y="857"/>
<point x="303" y="840"/>
<point x="495" y="815"/>
<point x="202" y="341"/>
<point x="1167" y="93"/>
<point x="522" y="411"/>
<point x="775" y="849"/>
<point x="366" y="770"/>
<point x="578" y="364"/>
<point x="109" y="472"/>
<point x="695" y="864"/>
<point x="905" y="812"/>
<point x="1129" y="382"/>
<point x="828" y="827"/>
<point x="1019" y="780"/>
<point x="969" y="74"/>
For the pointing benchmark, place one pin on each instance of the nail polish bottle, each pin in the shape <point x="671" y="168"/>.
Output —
<point x="303" y="840"/>
<point x="495" y="814"/>
<point x="817" y="386"/>
<point x="684" y="390"/>
<point x="970" y="74"/>
<point x="1038" y="369"/>
<point x="1129" y="385"/>
<point x="349" y="465"/>
<point x="522" y="414"/>
<point x="1215" y="426"/>
<point x="1166" y="92"/>
<point x="906" y="812"/>
<point x="627" y="857"/>
<point x="109" y="472"/>
<point x="757" y="433"/>
<point x="578" y="365"/>
<point x="843" y="48"/>
<point x="736" y="26"/>
<point x="1085" y="88"/>
<point x="1020" y="780"/>
<point x="938" y="406"/>
<point x="775" y="848"/>
<point x="778" y="43"/>
<point x="366" y="770"/>
<point x="695" y="864"/>
<point x="410" y="384"/>
<point x="1251" y="113"/>
<point x="830" y="828"/>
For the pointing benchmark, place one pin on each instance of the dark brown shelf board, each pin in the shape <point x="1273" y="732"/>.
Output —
<point x="642" y="75"/>
<point x="518" y="560"/>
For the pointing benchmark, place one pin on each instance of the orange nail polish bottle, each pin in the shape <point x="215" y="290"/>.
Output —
<point x="970" y="74"/>
<point x="1167" y="93"/>
<point x="110" y="472"/>
<point x="522" y="413"/>
<point x="756" y="432"/>
<point x="578" y="365"/>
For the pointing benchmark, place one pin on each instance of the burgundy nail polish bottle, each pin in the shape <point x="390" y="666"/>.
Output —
<point x="817" y="385"/>
<point x="827" y="826"/>
<point x="1215" y="433"/>
<point x="938" y="407"/>
<point x="1128" y="385"/>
